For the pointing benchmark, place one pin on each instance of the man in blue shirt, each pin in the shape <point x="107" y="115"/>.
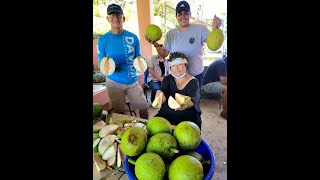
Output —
<point x="215" y="82"/>
<point x="123" y="47"/>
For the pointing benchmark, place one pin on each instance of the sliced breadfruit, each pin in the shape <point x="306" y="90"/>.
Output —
<point x="157" y="102"/>
<point x="106" y="142"/>
<point x="112" y="162"/>
<point x="98" y="125"/>
<point x="108" y="129"/>
<point x="119" y="161"/>
<point x="120" y="131"/>
<point x="110" y="152"/>
<point x="107" y="65"/>
<point x="182" y="99"/>
<point x="137" y="124"/>
<point x="173" y="104"/>
<point x="140" y="64"/>
<point x="96" y="142"/>
<point x="100" y="164"/>
<point x="116" y="120"/>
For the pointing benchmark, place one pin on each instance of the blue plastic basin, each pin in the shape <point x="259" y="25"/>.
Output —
<point x="203" y="149"/>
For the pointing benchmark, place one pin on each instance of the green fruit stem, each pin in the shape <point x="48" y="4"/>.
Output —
<point x="206" y="162"/>
<point x="139" y="121"/>
<point x="132" y="161"/>
<point x="174" y="150"/>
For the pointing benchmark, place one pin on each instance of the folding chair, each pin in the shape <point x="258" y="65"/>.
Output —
<point x="129" y="107"/>
<point x="146" y="86"/>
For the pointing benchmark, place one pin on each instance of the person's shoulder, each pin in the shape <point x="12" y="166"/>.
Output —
<point x="219" y="61"/>
<point x="172" y="30"/>
<point x="153" y="57"/>
<point x="130" y="33"/>
<point x="193" y="81"/>
<point x="198" y="26"/>
<point x="104" y="35"/>
<point x="168" y="77"/>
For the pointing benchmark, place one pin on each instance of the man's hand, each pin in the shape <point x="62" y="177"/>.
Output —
<point x="216" y="22"/>
<point x="154" y="43"/>
<point x="183" y="107"/>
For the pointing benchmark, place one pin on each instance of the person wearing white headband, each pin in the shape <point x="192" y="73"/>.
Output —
<point x="179" y="81"/>
<point x="188" y="38"/>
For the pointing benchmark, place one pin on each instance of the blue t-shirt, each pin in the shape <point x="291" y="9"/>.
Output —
<point x="123" y="49"/>
<point x="216" y="68"/>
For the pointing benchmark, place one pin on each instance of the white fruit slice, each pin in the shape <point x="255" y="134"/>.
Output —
<point x="173" y="104"/>
<point x="137" y="124"/>
<point x="112" y="161"/>
<point x="105" y="143"/>
<point x="139" y="73"/>
<point x="108" y="129"/>
<point x="96" y="142"/>
<point x="100" y="164"/>
<point x="140" y="64"/>
<point x="182" y="99"/>
<point x="98" y="125"/>
<point x="107" y="65"/>
<point x="118" y="157"/>
<point x="157" y="103"/>
<point x="110" y="152"/>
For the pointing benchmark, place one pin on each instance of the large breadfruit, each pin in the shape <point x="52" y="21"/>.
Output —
<point x="215" y="39"/>
<point x="153" y="32"/>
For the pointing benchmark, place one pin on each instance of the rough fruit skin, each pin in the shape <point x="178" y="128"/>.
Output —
<point x="215" y="39"/>
<point x="153" y="32"/>
<point x="161" y="143"/>
<point x="97" y="110"/>
<point x="150" y="166"/>
<point x="188" y="135"/>
<point x="134" y="141"/>
<point x="186" y="167"/>
<point x="196" y="155"/>
<point x="158" y="125"/>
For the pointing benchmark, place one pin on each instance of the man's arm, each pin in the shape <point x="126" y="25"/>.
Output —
<point x="162" y="52"/>
<point x="154" y="74"/>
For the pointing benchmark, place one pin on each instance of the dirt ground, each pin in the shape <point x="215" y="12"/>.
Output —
<point x="214" y="132"/>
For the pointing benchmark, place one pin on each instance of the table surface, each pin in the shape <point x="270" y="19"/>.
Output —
<point x="98" y="88"/>
<point x="117" y="173"/>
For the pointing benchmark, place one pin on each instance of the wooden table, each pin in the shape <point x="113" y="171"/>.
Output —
<point x="118" y="173"/>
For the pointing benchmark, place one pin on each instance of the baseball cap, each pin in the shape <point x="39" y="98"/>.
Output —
<point x="183" y="6"/>
<point x="114" y="8"/>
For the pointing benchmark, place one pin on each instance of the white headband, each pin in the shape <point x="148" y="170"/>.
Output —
<point x="178" y="61"/>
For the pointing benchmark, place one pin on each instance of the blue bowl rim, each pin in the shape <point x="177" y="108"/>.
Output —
<point x="132" y="176"/>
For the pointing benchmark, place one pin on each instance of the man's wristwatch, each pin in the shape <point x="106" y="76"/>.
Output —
<point x="156" y="46"/>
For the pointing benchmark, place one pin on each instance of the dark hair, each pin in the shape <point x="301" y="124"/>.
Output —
<point x="175" y="55"/>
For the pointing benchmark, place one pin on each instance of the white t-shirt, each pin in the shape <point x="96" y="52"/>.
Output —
<point x="154" y="63"/>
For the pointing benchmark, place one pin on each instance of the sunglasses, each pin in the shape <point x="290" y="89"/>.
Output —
<point x="113" y="15"/>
